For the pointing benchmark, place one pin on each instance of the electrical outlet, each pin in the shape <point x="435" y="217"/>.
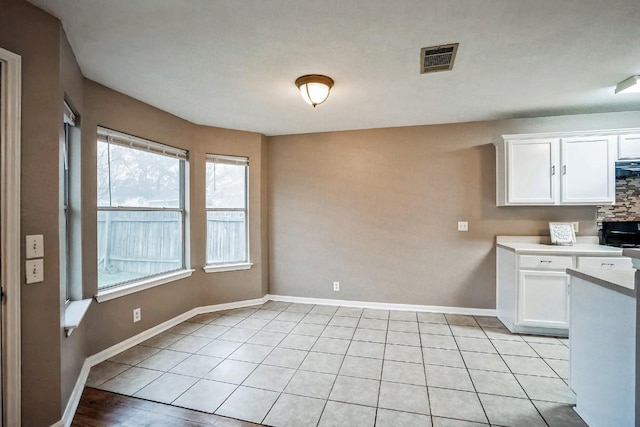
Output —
<point x="463" y="226"/>
<point x="34" y="270"/>
<point x="336" y="286"/>
<point x="137" y="315"/>
<point x="34" y="246"/>
<point x="576" y="226"/>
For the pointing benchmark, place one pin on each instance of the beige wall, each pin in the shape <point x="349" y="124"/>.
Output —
<point x="377" y="210"/>
<point x="110" y="322"/>
<point x="72" y="348"/>
<point x="373" y="209"/>
<point x="41" y="114"/>
<point x="217" y="288"/>
<point x="51" y="362"/>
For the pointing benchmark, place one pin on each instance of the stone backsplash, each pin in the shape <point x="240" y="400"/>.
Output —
<point x="627" y="207"/>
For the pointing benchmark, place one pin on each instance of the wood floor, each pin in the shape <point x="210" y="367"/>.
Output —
<point x="98" y="408"/>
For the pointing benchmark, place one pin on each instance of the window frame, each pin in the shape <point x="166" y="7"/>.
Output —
<point x="136" y="143"/>
<point x="69" y="121"/>
<point x="245" y="264"/>
<point x="70" y="223"/>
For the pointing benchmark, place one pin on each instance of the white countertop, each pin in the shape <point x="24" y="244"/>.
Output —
<point x="622" y="281"/>
<point x="534" y="245"/>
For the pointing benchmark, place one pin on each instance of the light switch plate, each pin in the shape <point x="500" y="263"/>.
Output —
<point x="34" y="270"/>
<point x="34" y="246"/>
<point x="463" y="226"/>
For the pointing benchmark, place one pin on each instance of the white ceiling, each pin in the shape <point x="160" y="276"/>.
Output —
<point x="233" y="63"/>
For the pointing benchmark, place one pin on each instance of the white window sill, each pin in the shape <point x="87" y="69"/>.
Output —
<point x="120" y="291"/>
<point x="217" y="268"/>
<point x="73" y="314"/>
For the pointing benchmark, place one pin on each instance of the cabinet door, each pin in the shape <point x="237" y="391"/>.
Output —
<point x="588" y="170"/>
<point x="629" y="146"/>
<point x="543" y="299"/>
<point x="532" y="168"/>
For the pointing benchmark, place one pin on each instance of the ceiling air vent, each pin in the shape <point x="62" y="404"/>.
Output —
<point x="437" y="58"/>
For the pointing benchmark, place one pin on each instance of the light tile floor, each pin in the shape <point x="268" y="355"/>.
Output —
<point x="299" y="365"/>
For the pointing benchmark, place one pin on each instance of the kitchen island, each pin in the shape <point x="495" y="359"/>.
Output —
<point x="603" y="353"/>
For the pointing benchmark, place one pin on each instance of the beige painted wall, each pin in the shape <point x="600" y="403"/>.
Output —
<point x="374" y="209"/>
<point x="109" y="323"/>
<point x="217" y="288"/>
<point x="41" y="109"/>
<point x="72" y="348"/>
<point x="377" y="210"/>
<point x="51" y="362"/>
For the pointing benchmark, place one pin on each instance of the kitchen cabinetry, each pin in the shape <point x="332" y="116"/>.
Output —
<point x="629" y="146"/>
<point x="531" y="169"/>
<point x="532" y="286"/>
<point x="556" y="169"/>
<point x="543" y="290"/>
<point x="588" y="170"/>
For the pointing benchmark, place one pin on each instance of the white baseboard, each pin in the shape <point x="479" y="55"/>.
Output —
<point x="107" y="353"/>
<point x="387" y="306"/>
<point x="76" y="394"/>
<point x="74" y="399"/>
<point x="232" y="305"/>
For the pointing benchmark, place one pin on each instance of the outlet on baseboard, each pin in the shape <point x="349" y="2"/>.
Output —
<point x="137" y="315"/>
<point x="336" y="286"/>
<point x="576" y="226"/>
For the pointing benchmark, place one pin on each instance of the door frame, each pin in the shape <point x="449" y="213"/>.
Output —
<point x="10" y="98"/>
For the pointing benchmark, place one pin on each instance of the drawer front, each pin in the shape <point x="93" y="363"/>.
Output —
<point x="543" y="262"/>
<point x="604" y="263"/>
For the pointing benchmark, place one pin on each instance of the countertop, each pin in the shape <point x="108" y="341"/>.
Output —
<point x="622" y="281"/>
<point x="585" y="245"/>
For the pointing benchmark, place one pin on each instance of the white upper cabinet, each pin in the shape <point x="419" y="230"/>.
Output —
<point x="629" y="146"/>
<point x="558" y="169"/>
<point x="588" y="170"/>
<point x="531" y="168"/>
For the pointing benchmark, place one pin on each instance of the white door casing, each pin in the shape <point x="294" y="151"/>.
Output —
<point x="10" y="97"/>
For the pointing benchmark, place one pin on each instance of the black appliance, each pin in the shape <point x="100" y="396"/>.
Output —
<point x="624" y="234"/>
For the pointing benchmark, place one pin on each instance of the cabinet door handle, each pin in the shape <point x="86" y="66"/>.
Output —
<point x="564" y="170"/>
<point x="544" y="261"/>
<point x="553" y="170"/>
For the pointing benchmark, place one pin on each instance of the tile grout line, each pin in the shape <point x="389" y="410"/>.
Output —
<point x="484" y="411"/>
<point x="384" y="350"/>
<point x="424" y="367"/>
<point x="191" y="353"/>
<point x="517" y="380"/>
<point x="334" y="380"/>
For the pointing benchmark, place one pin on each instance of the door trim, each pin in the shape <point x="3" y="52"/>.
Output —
<point x="10" y="241"/>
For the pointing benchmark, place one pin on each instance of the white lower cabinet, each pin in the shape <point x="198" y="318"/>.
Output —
<point x="533" y="294"/>
<point x="543" y="299"/>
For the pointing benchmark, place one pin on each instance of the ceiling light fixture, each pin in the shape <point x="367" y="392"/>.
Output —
<point x="632" y="84"/>
<point x="314" y="88"/>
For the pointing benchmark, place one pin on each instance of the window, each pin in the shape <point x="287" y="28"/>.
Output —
<point x="141" y="214"/>
<point x="226" y="204"/>
<point x="69" y="122"/>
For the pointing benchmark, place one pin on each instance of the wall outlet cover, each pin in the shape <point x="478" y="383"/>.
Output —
<point x="463" y="226"/>
<point x="34" y="270"/>
<point x="34" y="246"/>
<point x="336" y="286"/>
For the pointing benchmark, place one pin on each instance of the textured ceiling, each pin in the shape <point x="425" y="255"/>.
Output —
<point x="233" y="63"/>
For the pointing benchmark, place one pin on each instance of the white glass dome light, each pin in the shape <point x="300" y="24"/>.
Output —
<point x="314" y="88"/>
